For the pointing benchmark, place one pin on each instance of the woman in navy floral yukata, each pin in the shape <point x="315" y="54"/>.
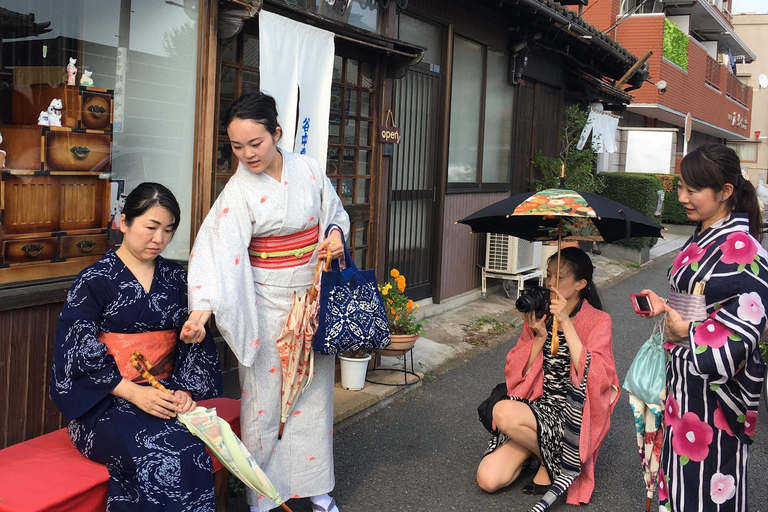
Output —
<point x="715" y="317"/>
<point x="130" y="300"/>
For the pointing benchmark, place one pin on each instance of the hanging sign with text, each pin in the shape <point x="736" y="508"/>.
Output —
<point x="389" y="133"/>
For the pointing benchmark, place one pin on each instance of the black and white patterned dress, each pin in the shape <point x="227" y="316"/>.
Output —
<point x="549" y="409"/>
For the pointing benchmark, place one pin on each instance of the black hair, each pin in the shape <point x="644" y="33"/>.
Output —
<point x="581" y="266"/>
<point x="712" y="166"/>
<point x="148" y="195"/>
<point x="259" y="107"/>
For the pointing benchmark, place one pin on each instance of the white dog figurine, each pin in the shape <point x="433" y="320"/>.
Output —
<point x="52" y="116"/>
<point x="86" y="80"/>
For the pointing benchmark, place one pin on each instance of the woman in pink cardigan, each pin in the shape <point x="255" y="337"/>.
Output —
<point x="573" y="390"/>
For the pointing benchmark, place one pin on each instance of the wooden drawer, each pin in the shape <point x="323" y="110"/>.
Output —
<point x="83" y="245"/>
<point x="95" y="110"/>
<point x="74" y="151"/>
<point x="22" y="147"/>
<point x="29" y="250"/>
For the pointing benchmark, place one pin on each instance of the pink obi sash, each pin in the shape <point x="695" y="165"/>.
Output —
<point x="274" y="252"/>
<point x="159" y="347"/>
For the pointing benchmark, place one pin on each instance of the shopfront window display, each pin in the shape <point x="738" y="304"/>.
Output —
<point x="118" y="76"/>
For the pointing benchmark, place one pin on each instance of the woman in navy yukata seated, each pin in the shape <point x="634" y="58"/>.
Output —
<point x="130" y="300"/>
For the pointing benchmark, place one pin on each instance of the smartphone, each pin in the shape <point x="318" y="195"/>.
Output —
<point x="641" y="303"/>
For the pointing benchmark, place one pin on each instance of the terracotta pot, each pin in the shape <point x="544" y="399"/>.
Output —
<point x="400" y="344"/>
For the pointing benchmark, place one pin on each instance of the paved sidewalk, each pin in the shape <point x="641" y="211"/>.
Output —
<point x="447" y="323"/>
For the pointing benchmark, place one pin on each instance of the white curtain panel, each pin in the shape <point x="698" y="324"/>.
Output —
<point x="296" y="69"/>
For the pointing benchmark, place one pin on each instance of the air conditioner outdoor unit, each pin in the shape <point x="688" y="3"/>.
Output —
<point x="511" y="255"/>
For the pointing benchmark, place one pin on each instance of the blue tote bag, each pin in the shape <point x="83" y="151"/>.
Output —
<point x="352" y="314"/>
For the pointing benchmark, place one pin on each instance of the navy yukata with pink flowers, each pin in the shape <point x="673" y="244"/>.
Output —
<point x="715" y="377"/>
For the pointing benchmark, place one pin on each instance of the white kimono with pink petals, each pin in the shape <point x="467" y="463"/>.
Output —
<point x="251" y="306"/>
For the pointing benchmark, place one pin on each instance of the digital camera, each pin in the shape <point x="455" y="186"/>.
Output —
<point x="534" y="299"/>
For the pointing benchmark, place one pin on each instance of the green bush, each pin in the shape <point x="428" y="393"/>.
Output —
<point x="675" y="45"/>
<point x="636" y="190"/>
<point x="579" y="163"/>
<point x="672" y="211"/>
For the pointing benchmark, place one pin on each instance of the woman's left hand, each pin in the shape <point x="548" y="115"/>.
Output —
<point x="334" y="242"/>
<point x="186" y="403"/>
<point x="675" y="327"/>
<point x="557" y="307"/>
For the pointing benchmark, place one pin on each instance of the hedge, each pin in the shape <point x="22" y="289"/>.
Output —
<point x="672" y="211"/>
<point x="639" y="192"/>
<point x="675" y="45"/>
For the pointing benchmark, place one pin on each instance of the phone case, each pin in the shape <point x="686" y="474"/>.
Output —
<point x="636" y="306"/>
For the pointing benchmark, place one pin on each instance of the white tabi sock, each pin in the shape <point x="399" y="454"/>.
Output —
<point x="325" y="501"/>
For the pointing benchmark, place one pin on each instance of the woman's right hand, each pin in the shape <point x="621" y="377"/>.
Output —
<point x="193" y="330"/>
<point x="537" y="325"/>
<point x="657" y="303"/>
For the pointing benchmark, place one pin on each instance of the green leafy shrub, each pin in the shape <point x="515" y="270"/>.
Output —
<point x="672" y="212"/>
<point x="579" y="163"/>
<point x="675" y="47"/>
<point x="636" y="190"/>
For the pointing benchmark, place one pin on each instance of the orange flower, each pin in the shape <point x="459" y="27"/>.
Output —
<point x="401" y="286"/>
<point x="409" y="305"/>
<point x="394" y="273"/>
<point x="397" y="318"/>
<point x="390" y="301"/>
<point x="392" y="311"/>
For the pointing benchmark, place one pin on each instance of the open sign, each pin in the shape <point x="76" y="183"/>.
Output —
<point x="389" y="134"/>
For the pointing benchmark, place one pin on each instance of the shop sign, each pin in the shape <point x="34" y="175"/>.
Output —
<point x="738" y="121"/>
<point x="387" y="133"/>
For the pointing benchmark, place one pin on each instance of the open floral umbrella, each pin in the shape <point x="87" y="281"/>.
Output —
<point x="562" y="214"/>
<point x="295" y="346"/>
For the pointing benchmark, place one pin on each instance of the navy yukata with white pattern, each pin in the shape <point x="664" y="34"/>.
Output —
<point x="154" y="464"/>
<point x="714" y="380"/>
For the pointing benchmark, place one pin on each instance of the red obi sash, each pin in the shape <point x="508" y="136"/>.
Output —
<point x="159" y="347"/>
<point x="287" y="251"/>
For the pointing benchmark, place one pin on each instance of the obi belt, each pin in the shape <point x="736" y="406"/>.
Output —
<point x="276" y="252"/>
<point x="159" y="347"/>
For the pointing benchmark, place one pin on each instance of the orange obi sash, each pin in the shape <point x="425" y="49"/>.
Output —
<point x="287" y="251"/>
<point x="159" y="347"/>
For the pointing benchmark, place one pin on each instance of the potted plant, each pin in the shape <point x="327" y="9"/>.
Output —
<point x="404" y="327"/>
<point x="354" y="366"/>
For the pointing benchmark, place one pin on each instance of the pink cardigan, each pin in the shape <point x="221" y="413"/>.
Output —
<point x="594" y="329"/>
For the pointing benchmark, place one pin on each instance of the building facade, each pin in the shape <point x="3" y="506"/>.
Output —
<point x="695" y="56"/>
<point x="474" y="87"/>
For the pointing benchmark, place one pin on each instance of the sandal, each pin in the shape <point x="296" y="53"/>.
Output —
<point x="331" y="507"/>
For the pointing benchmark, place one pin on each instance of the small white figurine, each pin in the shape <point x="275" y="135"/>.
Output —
<point x="86" y="79"/>
<point x="52" y="116"/>
<point x="71" y="71"/>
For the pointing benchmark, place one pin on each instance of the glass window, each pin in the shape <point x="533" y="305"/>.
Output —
<point x="499" y="105"/>
<point x="466" y="96"/>
<point x="747" y="151"/>
<point x="415" y="31"/>
<point x="134" y="73"/>
<point x="362" y="14"/>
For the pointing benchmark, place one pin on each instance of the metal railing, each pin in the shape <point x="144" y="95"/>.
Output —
<point x="737" y="90"/>
<point x="713" y="72"/>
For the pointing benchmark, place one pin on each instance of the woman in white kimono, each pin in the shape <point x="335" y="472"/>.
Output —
<point x="276" y="201"/>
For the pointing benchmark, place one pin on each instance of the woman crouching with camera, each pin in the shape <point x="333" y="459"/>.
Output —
<point x="573" y="390"/>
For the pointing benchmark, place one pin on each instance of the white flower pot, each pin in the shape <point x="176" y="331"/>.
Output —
<point x="353" y="372"/>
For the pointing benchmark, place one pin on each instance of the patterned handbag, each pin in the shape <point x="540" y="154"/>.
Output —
<point x="352" y="314"/>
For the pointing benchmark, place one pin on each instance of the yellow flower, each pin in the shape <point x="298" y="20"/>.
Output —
<point x="416" y="306"/>
<point x="409" y="305"/>
<point x="385" y="291"/>
<point x="394" y="273"/>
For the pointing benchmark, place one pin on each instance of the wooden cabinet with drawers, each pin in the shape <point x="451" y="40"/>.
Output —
<point x="54" y="188"/>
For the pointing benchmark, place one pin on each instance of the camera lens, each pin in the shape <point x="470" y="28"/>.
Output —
<point x="526" y="302"/>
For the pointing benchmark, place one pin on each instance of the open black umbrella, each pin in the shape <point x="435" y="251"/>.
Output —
<point x="570" y="214"/>
<point x="562" y="214"/>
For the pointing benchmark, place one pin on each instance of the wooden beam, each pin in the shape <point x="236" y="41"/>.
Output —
<point x="633" y="70"/>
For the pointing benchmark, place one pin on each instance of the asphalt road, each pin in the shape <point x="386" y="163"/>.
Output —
<point x="420" y="453"/>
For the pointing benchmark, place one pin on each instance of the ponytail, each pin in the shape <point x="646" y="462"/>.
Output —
<point x="712" y="166"/>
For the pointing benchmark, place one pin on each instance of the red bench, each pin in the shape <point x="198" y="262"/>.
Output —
<point x="47" y="473"/>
